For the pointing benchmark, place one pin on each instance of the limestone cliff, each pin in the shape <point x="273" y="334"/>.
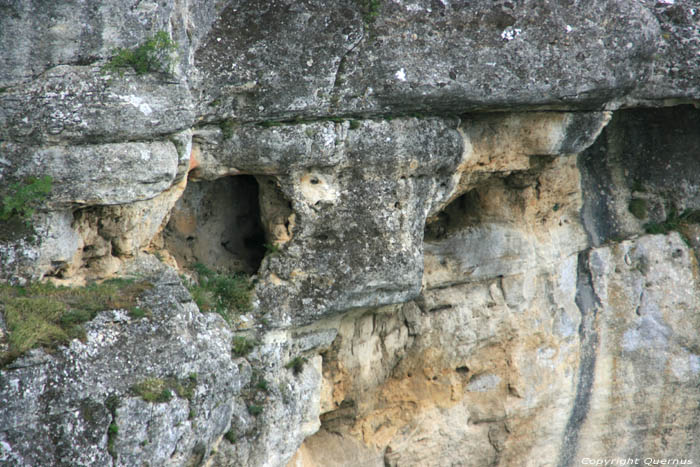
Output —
<point x="460" y="232"/>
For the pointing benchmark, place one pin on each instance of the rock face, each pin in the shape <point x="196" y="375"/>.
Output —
<point x="471" y="228"/>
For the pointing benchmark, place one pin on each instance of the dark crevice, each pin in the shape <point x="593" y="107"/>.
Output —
<point x="588" y="304"/>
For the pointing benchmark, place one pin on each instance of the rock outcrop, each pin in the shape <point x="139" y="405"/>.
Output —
<point x="470" y="231"/>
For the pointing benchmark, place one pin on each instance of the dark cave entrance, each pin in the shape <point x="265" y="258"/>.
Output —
<point x="217" y="223"/>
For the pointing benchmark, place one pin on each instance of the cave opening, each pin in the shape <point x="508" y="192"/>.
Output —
<point x="461" y="212"/>
<point x="217" y="223"/>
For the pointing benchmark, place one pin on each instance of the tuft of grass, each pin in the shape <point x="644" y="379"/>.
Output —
<point x="153" y="390"/>
<point x="270" y="124"/>
<point x="230" y="436"/>
<point x="242" y="345"/>
<point x="674" y="221"/>
<point x="43" y="315"/>
<point x="638" y="208"/>
<point x="296" y="364"/>
<point x="638" y="186"/>
<point x="158" y="390"/>
<point x="255" y="410"/>
<point x="156" y="54"/>
<point x="22" y="198"/>
<point x="221" y="293"/>
<point x="271" y="248"/>
<point x="112" y="433"/>
<point x="262" y="385"/>
<point x="226" y="128"/>
<point x="112" y="403"/>
<point x="138" y="312"/>
<point x="370" y="10"/>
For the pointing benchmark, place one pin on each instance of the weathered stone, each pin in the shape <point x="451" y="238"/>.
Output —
<point x="648" y="354"/>
<point x="399" y="57"/>
<point x="48" y="34"/>
<point x="674" y="75"/>
<point x="642" y="170"/>
<point x="86" y="105"/>
<point x="97" y="174"/>
<point x="409" y="170"/>
<point x="54" y="406"/>
<point x="375" y="226"/>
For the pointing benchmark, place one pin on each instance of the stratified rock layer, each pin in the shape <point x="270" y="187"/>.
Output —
<point x="469" y="245"/>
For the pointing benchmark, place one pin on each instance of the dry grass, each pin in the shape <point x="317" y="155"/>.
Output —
<point x="43" y="315"/>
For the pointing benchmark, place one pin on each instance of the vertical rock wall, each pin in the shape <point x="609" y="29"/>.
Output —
<point x="471" y="228"/>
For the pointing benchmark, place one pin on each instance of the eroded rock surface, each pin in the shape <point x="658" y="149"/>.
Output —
<point x="468" y="243"/>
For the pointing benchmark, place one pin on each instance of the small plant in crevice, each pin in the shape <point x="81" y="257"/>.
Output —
<point x="153" y="390"/>
<point x="226" y="127"/>
<point x="112" y="404"/>
<point x="156" y="54"/>
<point x="296" y="364"/>
<point x="255" y="409"/>
<point x="271" y="248"/>
<point x="638" y="208"/>
<point x="138" y="313"/>
<point x="674" y="222"/>
<point x="242" y="345"/>
<point x="370" y="10"/>
<point x="22" y="198"/>
<point x="262" y="385"/>
<point x="231" y="436"/>
<point x="159" y="390"/>
<point x="221" y="293"/>
<point x="270" y="124"/>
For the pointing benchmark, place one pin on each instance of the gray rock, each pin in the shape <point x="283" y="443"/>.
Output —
<point x="84" y="104"/>
<point x="446" y="57"/>
<point x="55" y="408"/>
<point x="642" y="171"/>
<point x="367" y="212"/>
<point x="360" y="122"/>
<point x="97" y="174"/>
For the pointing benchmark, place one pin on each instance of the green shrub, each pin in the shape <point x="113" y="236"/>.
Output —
<point x="153" y="390"/>
<point x="138" y="313"/>
<point x="112" y="433"/>
<point x="156" y="54"/>
<point x="226" y="128"/>
<point x="262" y="385"/>
<point x="112" y="403"/>
<point x="674" y="222"/>
<point x="271" y="248"/>
<point x="370" y="10"/>
<point x="22" y="198"/>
